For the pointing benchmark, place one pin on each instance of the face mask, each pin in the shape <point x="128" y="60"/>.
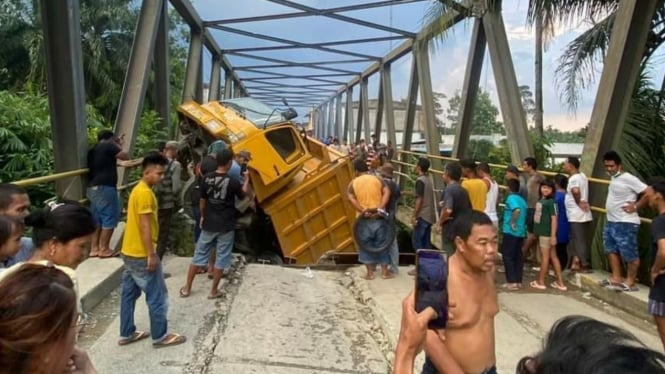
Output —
<point x="614" y="175"/>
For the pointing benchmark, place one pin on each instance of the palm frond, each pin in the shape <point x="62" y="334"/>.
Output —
<point x="437" y="23"/>
<point x="577" y="64"/>
<point x="644" y="130"/>
<point x="567" y="12"/>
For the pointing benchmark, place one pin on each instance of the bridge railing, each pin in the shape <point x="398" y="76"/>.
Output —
<point x="50" y="178"/>
<point x="596" y="209"/>
<point x="598" y="257"/>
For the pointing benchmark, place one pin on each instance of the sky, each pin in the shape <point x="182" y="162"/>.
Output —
<point x="447" y="62"/>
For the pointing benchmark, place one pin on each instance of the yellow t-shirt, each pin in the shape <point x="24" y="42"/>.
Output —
<point x="141" y="201"/>
<point x="477" y="190"/>
<point x="367" y="190"/>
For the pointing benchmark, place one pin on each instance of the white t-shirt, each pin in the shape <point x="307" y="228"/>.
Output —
<point x="573" y="211"/>
<point x="622" y="191"/>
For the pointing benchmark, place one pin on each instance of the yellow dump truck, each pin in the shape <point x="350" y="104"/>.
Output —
<point x="300" y="184"/>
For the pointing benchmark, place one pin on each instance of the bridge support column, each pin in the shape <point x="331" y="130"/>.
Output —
<point x="61" y="24"/>
<point x="162" y="72"/>
<point x="506" y="83"/>
<point x="409" y="119"/>
<point x="387" y="86"/>
<point x="136" y="81"/>
<point x="339" y="120"/>
<point x="237" y="91"/>
<point x="365" y="101"/>
<point x="215" y="73"/>
<point x="330" y="125"/>
<point x="617" y="82"/>
<point x="474" y="67"/>
<point x="432" y="136"/>
<point x="378" y="119"/>
<point x="193" y="65"/>
<point x="228" y="85"/>
<point x="348" y="111"/>
<point x="360" y="115"/>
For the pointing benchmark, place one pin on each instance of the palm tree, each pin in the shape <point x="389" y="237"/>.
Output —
<point x="644" y="130"/>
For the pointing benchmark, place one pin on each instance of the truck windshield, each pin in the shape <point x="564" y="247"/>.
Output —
<point x="255" y="111"/>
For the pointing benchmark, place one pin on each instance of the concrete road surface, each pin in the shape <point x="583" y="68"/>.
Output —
<point x="277" y="320"/>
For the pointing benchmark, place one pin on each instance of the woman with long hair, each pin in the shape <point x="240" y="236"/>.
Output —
<point x="38" y="323"/>
<point x="62" y="234"/>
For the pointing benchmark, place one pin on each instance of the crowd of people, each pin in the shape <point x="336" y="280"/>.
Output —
<point x="545" y="222"/>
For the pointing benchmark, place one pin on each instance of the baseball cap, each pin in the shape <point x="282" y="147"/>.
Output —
<point x="246" y="155"/>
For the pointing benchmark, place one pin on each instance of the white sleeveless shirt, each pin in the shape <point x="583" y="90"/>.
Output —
<point x="492" y="197"/>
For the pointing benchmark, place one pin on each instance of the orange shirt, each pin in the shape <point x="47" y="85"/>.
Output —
<point x="367" y="189"/>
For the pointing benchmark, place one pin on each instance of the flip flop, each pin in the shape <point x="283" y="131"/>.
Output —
<point x="91" y="255"/>
<point x="138" y="335"/>
<point x="170" y="340"/>
<point x="215" y="296"/>
<point x="558" y="286"/>
<point x="113" y="254"/>
<point x="625" y="288"/>
<point x="184" y="293"/>
<point x="535" y="285"/>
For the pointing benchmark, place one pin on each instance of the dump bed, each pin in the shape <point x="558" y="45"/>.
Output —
<point x="298" y="181"/>
<point x="313" y="216"/>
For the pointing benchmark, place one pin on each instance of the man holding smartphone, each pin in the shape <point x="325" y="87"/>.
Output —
<point x="469" y="335"/>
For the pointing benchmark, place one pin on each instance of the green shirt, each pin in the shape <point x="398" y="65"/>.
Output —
<point x="542" y="217"/>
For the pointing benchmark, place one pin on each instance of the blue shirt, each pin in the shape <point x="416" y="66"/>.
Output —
<point x="24" y="253"/>
<point x="515" y="201"/>
<point x="236" y="172"/>
<point x="563" y="227"/>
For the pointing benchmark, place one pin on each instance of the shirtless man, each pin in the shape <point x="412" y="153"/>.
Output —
<point x="469" y="337"/>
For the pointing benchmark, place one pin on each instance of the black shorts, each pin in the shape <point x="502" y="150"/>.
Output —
<point x="530" y="212"/>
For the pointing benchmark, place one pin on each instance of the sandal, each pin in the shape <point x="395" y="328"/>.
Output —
<point x="170" y="340"/>
<point x="184" y="293"/>
<point x="216" y="296"/>
<point x="138" y="335"/>
<point x="558" y="286"/>
<point x="609" y="284"/>
<point x="625" y="288"/>
<point x="109" y="254"/>
<point x="538" y="286"/>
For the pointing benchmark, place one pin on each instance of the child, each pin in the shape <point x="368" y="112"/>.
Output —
<point x="11" y="230"/>
<point x="563" y="228"/>
<point x="545" y="227"/>
<point x="514" y="231"/>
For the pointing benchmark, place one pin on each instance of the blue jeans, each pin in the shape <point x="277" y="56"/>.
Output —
<point x="104" y="205"/>
<point x="422" y="235"/>
<point x="137" y="278"/>
<point x="223" y="244"/>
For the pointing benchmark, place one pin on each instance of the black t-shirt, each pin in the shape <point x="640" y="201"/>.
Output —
<point x="657" y="291"/>
<point x="456" y="198"/>
<point x="207" y="165"/>
<point x="103" y="164"/>
<point x="220" y="191"/>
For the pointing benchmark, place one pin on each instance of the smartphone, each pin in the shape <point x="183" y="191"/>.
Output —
<point x="432" y="285"/>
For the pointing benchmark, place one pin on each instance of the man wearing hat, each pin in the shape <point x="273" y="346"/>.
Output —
<point x="168" y="193"/>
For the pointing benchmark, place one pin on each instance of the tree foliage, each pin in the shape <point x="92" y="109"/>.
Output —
<point x="484" y="114"/>
<point x="107" y="32"/>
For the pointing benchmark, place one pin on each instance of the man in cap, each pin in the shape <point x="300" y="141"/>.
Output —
<point x="168" y="194"/>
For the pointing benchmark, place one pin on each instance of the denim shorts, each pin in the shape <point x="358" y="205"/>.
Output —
<point x="621" y="238"/>
<point x="223" y="244"/>
<point x="104" y="205"/>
